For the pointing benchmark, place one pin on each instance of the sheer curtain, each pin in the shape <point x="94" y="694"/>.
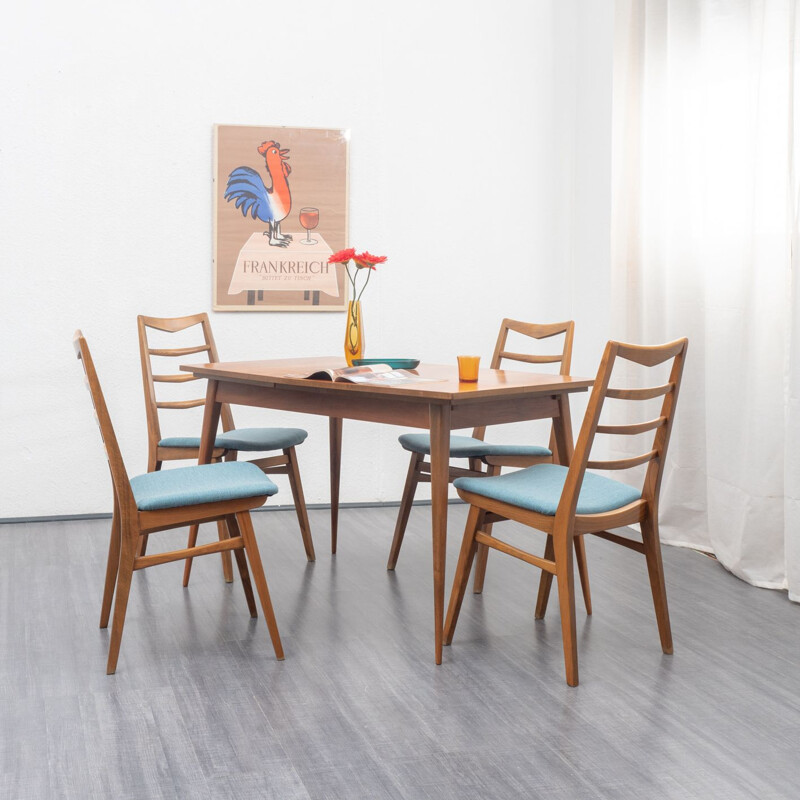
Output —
<point x="704" y="244"/>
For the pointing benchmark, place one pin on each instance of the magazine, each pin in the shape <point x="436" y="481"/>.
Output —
<point x="374" y="374"/>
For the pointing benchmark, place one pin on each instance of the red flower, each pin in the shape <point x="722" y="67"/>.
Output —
<point x="366" y="259"/>
<point x="343" y="256"/>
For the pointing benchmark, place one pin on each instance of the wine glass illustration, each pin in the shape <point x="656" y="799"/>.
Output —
<point x="309" y="219"/>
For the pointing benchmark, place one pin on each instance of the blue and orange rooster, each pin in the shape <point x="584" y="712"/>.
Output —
<point x="271" y="205"/>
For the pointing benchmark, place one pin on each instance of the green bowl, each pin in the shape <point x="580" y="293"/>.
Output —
<point x="394" y="363"/>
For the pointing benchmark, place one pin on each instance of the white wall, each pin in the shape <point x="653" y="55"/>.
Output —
<point x="501" y="115"/>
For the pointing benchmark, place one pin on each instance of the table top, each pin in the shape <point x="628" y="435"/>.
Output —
<point x="445" y="386"/>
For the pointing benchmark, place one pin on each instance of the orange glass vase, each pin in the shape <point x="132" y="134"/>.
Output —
<point x="354" y="333"/>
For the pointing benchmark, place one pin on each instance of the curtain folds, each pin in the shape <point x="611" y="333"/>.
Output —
<point x="705" y="240"/>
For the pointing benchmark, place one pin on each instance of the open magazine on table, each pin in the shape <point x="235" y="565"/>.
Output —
<point x="374" y="374"/>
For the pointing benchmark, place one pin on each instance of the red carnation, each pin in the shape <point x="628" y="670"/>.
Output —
<point x="343" y="256"/>
<point x="366" y="259"/>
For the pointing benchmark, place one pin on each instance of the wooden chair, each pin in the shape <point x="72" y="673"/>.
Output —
<point x="158" y="501"/>
<point x="568" y="503"/>
<point x="228" y="444"/>
<point x="480" y="452"/>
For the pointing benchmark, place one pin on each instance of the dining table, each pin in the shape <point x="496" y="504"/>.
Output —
<point x="440" y="403"/>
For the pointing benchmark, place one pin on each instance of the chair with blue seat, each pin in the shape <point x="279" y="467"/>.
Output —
<point x="228" y="443"/>
<point x="158" y="501"/>
<point x="567" y="503"/>
<point x="484" y="458"/>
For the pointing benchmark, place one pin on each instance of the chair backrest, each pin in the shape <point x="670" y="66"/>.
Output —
<point x="534" y="331"/>
<point x="150" y="379"/>
<point x="655" y="456"/>
<point x="119" y="475"/>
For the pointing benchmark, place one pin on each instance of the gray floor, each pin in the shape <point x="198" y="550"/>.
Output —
<point x="200" y="708"/>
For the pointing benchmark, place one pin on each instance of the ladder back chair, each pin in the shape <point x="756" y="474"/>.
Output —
<point x="228" y="443"/>
<point x="158" y="501"/>
<point x="568" y="503"/>
<point x="487" y="459"/>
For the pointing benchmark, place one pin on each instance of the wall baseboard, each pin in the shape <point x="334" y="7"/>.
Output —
<point x="310" y="506"/>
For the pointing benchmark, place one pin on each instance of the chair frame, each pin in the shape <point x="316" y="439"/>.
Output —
<point x="284" y="464"/>
<point x="567" y="526"/>
<point x="419" y="468"/>
<point x="129" y="525"/>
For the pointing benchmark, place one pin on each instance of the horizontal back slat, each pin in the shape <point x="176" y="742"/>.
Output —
<point x="183" y="377"/>
<point x="640" y="394"/>
<point x="634" y="428"/>
<point x="178" y="351"/>
<point x="623" y="463"/>
<point x="172" y="324"/>
<point x="530" y="359"/>
<point x="181" y="404"/>
<point x="650" y="356"/>
<point x="535" y="330"/>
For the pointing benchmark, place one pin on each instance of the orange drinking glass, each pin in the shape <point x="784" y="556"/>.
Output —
<point x="468" y="368"/>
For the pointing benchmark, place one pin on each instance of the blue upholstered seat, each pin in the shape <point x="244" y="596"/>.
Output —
<point x="250" y="439"/>
<point x="467" y="447"/>
<point x="539" y="488"/>
<point x="209" y="483"/>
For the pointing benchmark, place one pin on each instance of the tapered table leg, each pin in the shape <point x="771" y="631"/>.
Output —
<point x="440" y="472"/>
<point x="336" y="465"/>
<point x="210" y="424"/>
<point x="207" y="438"/>
<point x="562" y="429"/>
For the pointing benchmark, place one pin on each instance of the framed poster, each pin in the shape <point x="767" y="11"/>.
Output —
<point x="280" y="209"/>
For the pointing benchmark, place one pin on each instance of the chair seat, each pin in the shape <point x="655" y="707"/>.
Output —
<point x="209" y="483"/>
<point x="539" y="489"/>
<point x="467" y="447"/>
<point x="245" y="439"/>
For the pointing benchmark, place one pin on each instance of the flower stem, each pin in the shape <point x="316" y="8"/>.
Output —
<point x="369" y="275"/>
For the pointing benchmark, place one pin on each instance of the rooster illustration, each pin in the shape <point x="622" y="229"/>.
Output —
<point x="271" y="205"/>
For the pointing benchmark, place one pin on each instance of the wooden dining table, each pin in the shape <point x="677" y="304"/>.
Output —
<point x="440" y="405"/>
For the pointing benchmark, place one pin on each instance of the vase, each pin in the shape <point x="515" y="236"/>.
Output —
<point x="354" y="333"/>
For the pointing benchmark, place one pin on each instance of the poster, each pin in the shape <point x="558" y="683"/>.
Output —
<point x="280" y="210"/>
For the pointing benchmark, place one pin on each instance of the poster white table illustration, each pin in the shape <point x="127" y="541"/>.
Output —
<point x="297" y="267"/>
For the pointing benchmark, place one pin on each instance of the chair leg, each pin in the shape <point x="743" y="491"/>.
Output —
<point x="583" y="572"/>
<point x="483" y="550"/>
<point x="227" y="563"/>
<point x="152" y="466"/>
<point x="112" y="566"/>
<point x="251" y="546"/>
<point x="481" y="558"/>
<point x="127" y="556"/>
<point x="409" y="490"/>
<point x="655" y="569"/>
<point x="244" y="572"/>
<point x="465" y="558"/>
<point x="300" y="502"/>
<point x="187" y="565"/>
<point x="562" y="546"/>
<point x="545" y="581"/>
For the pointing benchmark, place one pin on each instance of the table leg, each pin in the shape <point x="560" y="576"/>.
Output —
<point x="440" y="473"/>
<point x="562" y="432"/>
<point x="210" y="424"/>
<point x="335" y="425"/>
<point x="562" y="429"/>
<point x="207" y="438"/>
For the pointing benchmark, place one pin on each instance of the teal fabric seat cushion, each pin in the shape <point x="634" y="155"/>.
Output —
<point x="467" y="447"/>
<point x="253" y="439"/>
<point x="209" y="483"/>
<point x="539" y="488"/>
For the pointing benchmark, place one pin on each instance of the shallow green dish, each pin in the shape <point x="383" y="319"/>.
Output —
<point x="394" y="363"/>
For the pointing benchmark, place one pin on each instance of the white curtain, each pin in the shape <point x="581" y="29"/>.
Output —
<point x="705" y="244"/>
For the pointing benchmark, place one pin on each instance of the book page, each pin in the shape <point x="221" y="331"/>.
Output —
<point x="387" y="377"/>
